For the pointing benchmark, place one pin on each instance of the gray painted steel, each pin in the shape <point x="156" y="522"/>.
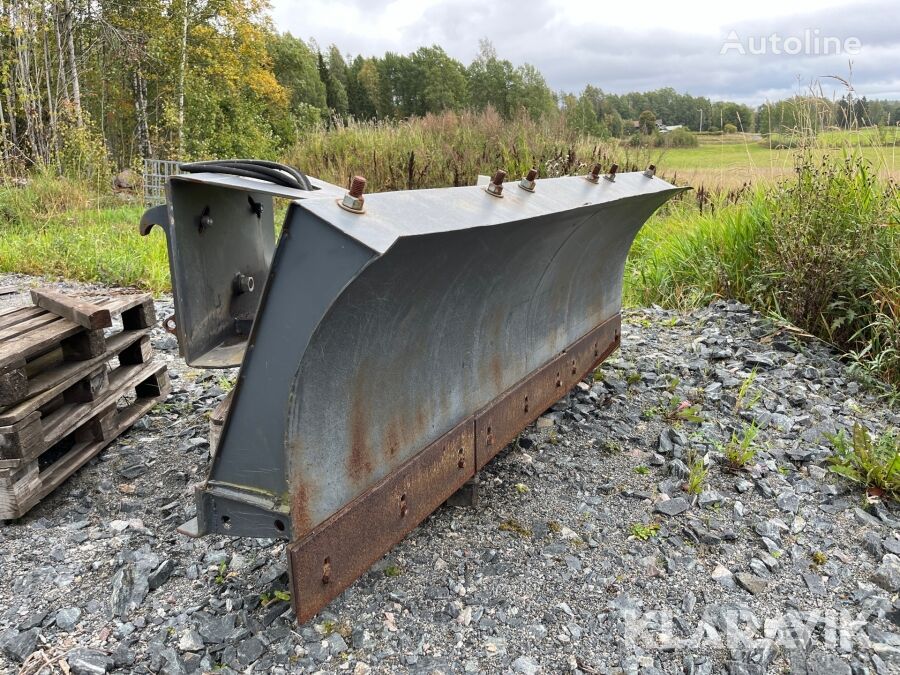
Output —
<point x="377" y="333"/>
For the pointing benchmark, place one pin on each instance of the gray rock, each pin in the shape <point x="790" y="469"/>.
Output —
<point x="679" y="469"/>
<point x="67" y="617"/>
<point x="526" y="666"/>
<point x="160" y="575"/>
<point x="788" y="501"/>
<point x="672" y="507"/>
<point x="815" y="584"/>
<point x="769" y="528"/>
<point x="33" y="620"/>
<point x="821" y="662"/>
<point x="83" y="661"/>
<point x="215" y="629"/>
<point x="759" y="360"/>
<point x="19" y="646"/>
<point x="129" y="588"/>
<point x="190" y="641"/>
<point x="892" y="545"/>
<point x="250" y="650"/>
<point x="750" y="583"/>
<point x="710" y="498"/>
<point x="336" y="644"/>
<point x="665" y="443"/>
<point x="888" y="573"/>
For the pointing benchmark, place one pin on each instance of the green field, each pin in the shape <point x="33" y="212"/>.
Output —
<point x="729" y="162"/>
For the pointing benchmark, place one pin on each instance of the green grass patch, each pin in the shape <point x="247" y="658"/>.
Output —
<point x="873" y="464"/>
<point x="52" y="228"/>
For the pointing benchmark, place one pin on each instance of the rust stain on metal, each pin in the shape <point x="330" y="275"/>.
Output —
<point x="502" y="420"/>
<point x="359" y="461"/>
<point x="328" y="559"/>
<point x="300" y="517"/>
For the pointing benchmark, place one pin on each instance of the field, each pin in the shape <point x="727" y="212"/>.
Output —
<point x="731" y="161"/>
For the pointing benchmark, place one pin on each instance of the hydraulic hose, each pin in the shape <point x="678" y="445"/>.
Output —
<point x="272" y="172"/>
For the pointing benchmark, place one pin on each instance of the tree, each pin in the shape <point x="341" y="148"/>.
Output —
<point x="647" y="122"/>
<point x="438" y="82"/>
<point x="296" y="69"/>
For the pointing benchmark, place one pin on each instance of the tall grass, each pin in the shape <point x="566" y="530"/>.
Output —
<point x="820" y="250"/>
<point x="62" y="227"/>
<point x="452" y="149"/>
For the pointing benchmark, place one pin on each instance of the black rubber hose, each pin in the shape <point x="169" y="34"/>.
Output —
<point x="262" y="165"/>
<point x="271" y="172"/>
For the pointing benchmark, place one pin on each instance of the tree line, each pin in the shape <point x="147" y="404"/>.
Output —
<point x="84" y="80"/>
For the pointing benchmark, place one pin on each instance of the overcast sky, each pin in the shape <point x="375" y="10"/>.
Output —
<point x="636" y="45"/>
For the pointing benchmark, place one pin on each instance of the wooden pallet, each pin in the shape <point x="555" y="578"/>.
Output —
<point x="23" y="486"/>
<point x="43" y="346"/>
<point x="43" y="421"/>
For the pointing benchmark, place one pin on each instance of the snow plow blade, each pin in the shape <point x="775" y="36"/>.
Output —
<point x="385" y="356"/>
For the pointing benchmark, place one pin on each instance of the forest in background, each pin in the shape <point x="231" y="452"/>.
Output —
<point x="90" y="86"/>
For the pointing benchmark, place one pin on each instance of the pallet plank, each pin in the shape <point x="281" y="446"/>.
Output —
<point x="47" y="385"/>
<point x="37" y="341"/>
<point x="23" y="327"/>
<point x="13" y="315"/>
<point x="83" y="312"/>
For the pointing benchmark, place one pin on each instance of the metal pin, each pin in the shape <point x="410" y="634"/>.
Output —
<point x="651" y="171"/>
<point x="594" y="175"/>
<point x="611" y="176"/>
<point x="527" y="182"/>
<point x="495" y="187"/>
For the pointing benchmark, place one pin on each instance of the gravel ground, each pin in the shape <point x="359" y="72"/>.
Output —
<point x="777" y="568"/>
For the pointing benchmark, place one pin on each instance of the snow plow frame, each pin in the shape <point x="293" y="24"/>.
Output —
<point x="388" y="352"/>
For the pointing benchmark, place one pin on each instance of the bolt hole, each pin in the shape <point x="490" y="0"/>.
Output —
<point x="403" y="506"/>
<point x="326" y="570"/>
<point x="462" y="460"/>
<point x="226" y="522"/>
<point x="279" y="525"/>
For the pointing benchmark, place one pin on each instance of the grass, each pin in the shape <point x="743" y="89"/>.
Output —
<point x="697" y="476"/>
<point x="740" y="451"/>
<point x="818" y="251"/>
<point x="875" y="465"/>
<point x="644" y="532"/>
<point x="59" y="228"/>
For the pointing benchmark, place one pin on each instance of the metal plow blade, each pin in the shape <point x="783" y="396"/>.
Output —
<point x="391" y="353"/>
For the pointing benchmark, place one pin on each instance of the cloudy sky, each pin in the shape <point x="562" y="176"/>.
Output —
<point x="637" y="45"/>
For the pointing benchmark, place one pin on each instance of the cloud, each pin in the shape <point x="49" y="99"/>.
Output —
<point x="625" y="47"/>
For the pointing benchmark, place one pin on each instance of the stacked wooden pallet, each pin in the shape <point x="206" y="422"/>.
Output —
<point x="69" y="385"/>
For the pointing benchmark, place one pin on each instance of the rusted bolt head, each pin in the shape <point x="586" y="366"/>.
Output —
<point x="594" y="175"/>
<point x="612" y="172"/>
<point x="354" y="200"/>
<point x="527" y="182"/>
<point x="495" y="187"/>
<point x="651" y="171"/>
